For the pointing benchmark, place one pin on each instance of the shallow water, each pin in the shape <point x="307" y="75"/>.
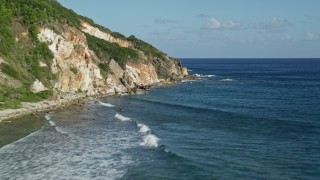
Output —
<point x="249" y="119"/>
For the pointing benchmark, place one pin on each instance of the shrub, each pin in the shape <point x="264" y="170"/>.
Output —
<point x="106" y="51"/>
<point x="74" y="70"/>
<point x="6" y="69"/>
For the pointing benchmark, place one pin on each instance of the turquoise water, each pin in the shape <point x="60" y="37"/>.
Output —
<point x="241" y="119"/>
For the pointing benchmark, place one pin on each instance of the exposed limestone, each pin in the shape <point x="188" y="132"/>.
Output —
<point x="185" y="71"/>
<point x="104" y="35"/>
<point x="66" y="56"/>
<point x="37" y="86"/>
<point x="42" y="64"/>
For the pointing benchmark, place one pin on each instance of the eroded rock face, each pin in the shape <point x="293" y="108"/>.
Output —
<point x="104" y="35"/>
<point x="142" y="74"/>
<point x="185" y="71"/>
<point x="77" y="66"/>
<point x="71" y="52"/>
<point x="37" y="86"/>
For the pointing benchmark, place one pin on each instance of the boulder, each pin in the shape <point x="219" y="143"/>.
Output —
<point x="37" y="86"/>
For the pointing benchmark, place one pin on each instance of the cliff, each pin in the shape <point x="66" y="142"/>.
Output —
<point x="48" y="51"/>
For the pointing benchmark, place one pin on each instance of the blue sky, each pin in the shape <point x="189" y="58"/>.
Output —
<point x="214" y="28"/>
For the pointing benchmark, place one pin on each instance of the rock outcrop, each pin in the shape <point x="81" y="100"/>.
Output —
<point x="49" y="47"/>
<point x="37" y="86"/>
<point x="71" y="52"/>
<point x="77" y="69"/>
<point x="94" y="31"/>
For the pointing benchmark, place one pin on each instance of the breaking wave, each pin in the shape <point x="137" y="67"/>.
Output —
<point x="47" y="117"/>
<point x="186" y="81"/>
<point x="58" y="129"/>
<point x="143" y="128"/>
<point x="105" y="104"/>
<point x="52" y="123"/>
<point x="227" y="80"/>
<point x="149" y="140"/>
<point x="204" y="76"/>
<point x="122" y="118"/>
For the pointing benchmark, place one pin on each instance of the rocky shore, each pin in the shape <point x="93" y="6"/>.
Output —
<point x="77" y="99"/>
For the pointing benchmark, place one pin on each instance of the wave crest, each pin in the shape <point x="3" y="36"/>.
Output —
<point x="105" y="104"/>
<point x="122" y="118"/>
<point x="47" y="117"/>
<point x="52" y="123"/>
<point x="151" y="141"/>
<point x="227" y="80"/>
<point x="143" y="128"/>
<point x="204" y="75"/>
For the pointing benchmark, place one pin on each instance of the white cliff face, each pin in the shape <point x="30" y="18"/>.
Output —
<point x="71" y="52"/>
<point x="142" y="74"/>
<point x="76" y="66"/>
<point x="104" y="35"/>
<point x="37" y="86"/>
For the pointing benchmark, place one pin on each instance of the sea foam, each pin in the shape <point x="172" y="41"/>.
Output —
<point x="151" y="141"/>
<point x="58" y="129"/>
<point x="122" y="118"/>
<point x="47" y="117"/>
<point x="52" y="123"/>
<point x="143" y="128"/>
<point x="227" y="80"/>
<point x="105" y="104"/>
<point x="204" y="76"/>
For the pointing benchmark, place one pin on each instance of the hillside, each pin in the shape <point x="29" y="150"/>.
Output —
<point x="48" y="51"/>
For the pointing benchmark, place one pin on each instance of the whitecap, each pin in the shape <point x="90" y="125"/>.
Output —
<point x="186" y="81"/>
<point x="52" y="123"/>
<point x="122" y="118"/>
<point x="47" y="117"/>
<point x="227" y="80"/>
<point x="151" y="141"/>
<point x="212" y="75"/>
<point x="190" y="70"/>
<point x="58" y="129"/>
<point x="204" y="75"/>
<point x="105" y="104"/>
<point x="143" y="128"/>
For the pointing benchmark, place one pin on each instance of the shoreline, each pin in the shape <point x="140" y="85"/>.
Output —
<point x="67" y="100"/>
<point x="19" y="120"/>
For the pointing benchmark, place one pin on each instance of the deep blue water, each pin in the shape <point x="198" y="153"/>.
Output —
<point x="241" y="119"/>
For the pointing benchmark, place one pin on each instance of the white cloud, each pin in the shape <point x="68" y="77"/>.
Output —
<point x="311" y="36"/>
<point x="231" y="25"/>
<point x="275" y="25"/>
<point x="215" y="24"/>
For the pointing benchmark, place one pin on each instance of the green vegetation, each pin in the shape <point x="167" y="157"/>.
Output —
<point x="74" y="70"/>
<point x="20" y="21"/>
<point x="103" y="69"/>
<point x="148" y="49"/>
<point x="12" y="97"/>
<point x="6" y="37"/>
<point x="6" y="69"/>
<point x="107" y="51"/>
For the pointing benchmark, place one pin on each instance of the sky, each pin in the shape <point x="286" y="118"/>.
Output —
<point x="213" y="28"/>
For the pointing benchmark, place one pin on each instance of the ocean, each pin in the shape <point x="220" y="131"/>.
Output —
<point x="240" y="119"/>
